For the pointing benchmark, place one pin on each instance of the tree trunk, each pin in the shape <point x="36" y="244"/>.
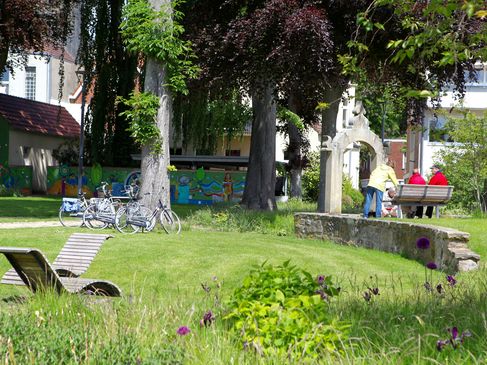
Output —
<point x="261" y="175"/>
<point x="328" y="128"/>
<point x="155" y="179"/>
<point x="295" y="155"/>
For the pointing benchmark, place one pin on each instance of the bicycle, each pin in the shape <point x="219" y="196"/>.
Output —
<point x="101" y="212"/>
<point x="72" y="210"/>
<point x="133" y="217"/>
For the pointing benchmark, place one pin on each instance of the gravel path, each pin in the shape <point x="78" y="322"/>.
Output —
<point x="40" y="224"/>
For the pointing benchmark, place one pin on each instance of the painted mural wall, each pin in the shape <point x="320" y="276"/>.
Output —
<point x="187" y="186"/>
<point x="16" y="178"/>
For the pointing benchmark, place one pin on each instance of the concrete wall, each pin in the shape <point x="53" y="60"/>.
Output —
<point x="448" y="248"/>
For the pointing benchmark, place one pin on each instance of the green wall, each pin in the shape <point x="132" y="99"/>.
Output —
<point x="4" y="133"/>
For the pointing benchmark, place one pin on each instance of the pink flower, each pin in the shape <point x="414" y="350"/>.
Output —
<point x="183" y="331"/>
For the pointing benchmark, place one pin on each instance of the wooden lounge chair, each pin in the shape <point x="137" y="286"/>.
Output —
<point x="38" y="274"/>
<point x="73" y="260"/>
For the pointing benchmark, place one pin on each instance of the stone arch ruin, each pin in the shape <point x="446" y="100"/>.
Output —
<point x="334" y="150"/>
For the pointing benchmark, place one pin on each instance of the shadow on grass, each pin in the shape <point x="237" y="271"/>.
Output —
<point x="29" y="207"/>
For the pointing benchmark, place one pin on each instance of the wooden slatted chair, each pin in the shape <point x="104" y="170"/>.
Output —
<point x="73" y="260"/>
<point x="427" y="195"/>
<point x="38" y="274"/>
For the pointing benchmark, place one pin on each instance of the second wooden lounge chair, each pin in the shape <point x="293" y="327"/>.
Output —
<point x="38" y="274"/>
<point x="73" y="260"/>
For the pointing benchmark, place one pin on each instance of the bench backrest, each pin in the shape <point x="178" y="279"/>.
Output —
<point x="434" y="194"/>
<point x="33" y="268"/>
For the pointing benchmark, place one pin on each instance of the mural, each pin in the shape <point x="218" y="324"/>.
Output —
<point x="186" y="187"/>
<point x="16" y="178"/>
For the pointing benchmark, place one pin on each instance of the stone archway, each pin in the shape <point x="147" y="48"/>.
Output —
<point x="334" y="150"/>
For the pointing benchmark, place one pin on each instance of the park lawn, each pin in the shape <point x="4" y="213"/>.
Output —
<point x="161" y="277"/>
<point x="27" y="209"/>
<point x="44" y="208"/>
<point x="161" y="265"/>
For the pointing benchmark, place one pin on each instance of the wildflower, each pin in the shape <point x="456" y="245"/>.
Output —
<point x="205" y="287"/>
<point x="441" y="343"/>
<point x="322" y="294"/>
<point x="427" y="286"/>
<point x="208" y="319"/>
<point x="439" y="288"/>
<point x="367" y="296"/>
<point x="451" y="280"/>
<point x="431" y="266"/>
<point x="183" y="331"/>
<point x="455" y="340"/>
<point x="320" y="279"/>
<point x="423" y="243"/>
<point x="374" y="291"/>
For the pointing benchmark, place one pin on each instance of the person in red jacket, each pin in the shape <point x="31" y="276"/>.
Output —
<point x="437" y="179"/>
<point x="416" y="179"/>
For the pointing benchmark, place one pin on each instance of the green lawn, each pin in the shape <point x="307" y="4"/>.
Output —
<point x="161" y="277"/>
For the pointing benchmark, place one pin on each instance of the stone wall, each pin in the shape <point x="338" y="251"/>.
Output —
<point x="448" y="247"/>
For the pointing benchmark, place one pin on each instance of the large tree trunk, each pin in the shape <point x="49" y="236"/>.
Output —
<point x="328" y="129"/>
<point x="155" y="179"/>
<point x="261" y="175"/>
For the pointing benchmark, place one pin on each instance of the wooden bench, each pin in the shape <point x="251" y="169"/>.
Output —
<point x="428" y="195"/>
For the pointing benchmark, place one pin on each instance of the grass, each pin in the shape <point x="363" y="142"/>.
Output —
<point x="161" y="278"/>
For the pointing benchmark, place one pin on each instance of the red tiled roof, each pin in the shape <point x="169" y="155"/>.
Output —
<point x="35" y="117"/>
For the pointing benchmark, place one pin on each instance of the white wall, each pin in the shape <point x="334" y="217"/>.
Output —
<point x="39" y="155"/>
<point x="43" y="79"/>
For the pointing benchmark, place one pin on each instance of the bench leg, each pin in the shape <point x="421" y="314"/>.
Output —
<point x="399" y="212"/>
<point x="437" y="208"/>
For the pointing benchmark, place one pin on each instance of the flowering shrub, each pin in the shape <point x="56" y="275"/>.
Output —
<point x="284" y="310"/>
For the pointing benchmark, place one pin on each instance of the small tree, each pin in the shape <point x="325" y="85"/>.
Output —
<point x="466" y="161"/>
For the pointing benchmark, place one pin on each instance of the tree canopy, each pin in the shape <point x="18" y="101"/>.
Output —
<point x="29" y="26"/>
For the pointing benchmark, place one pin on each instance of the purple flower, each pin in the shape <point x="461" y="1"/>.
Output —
<point x="183" y="331"/>
<point x="423" y="243"/>
<point x="367" y="296"/>
<point x="322" y="294"/>
<point x="451" y="280"/>
<point x="205" y="287"/>
<point x="374" y="291"/>
<point x="440" y="344"/>
<point x="439" y="288"/>
<point x="431" y="266"/>
<point x="208" y="319"/>
<point x="427" y="286"/>
<point x="320" y="279"/>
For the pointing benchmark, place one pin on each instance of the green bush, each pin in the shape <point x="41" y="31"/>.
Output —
<point x="351" y="197"/>
<point x="281" y="310"/>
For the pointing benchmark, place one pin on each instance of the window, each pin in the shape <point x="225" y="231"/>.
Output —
<point x="30" y="83"/>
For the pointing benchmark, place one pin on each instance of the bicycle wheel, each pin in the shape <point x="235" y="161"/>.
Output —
<point x="91" y="218"/>
<point x="123" y="215"/>
<point x="70" y="219"/>
<point x="170" y="221"/>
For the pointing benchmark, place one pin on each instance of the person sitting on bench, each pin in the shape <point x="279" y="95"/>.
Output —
<point x="437" y="179"/>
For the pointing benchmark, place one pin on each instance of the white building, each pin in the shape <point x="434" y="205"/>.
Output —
<point x="475" y="100"/>
<point x="39" y="80"/>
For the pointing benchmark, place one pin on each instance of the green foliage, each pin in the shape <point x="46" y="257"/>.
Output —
<point x="351" y="197"/>
<point x="220" y="117"/>
<point x="283" y="310"/>
<point x="466" y="160"/>
<point x="288" y="116"/>
<point x="158" y="34"/>
<point x="142" y="115"/>
<point x="67" y="153"/>
<point x="383" y="102"/>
